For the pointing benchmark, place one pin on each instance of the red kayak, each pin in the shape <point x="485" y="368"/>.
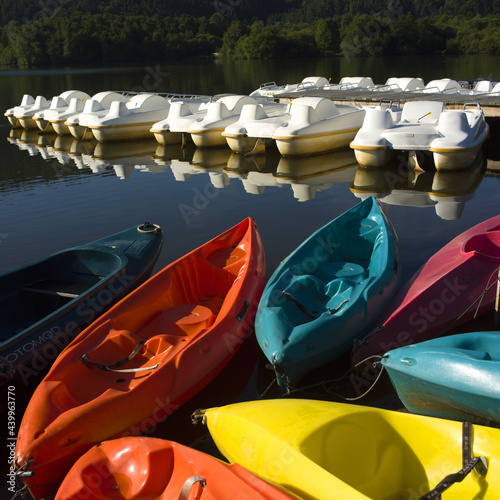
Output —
<point x="141" y="468"/>
<point x="145" y="357"/>
<point x="444" y="293"/>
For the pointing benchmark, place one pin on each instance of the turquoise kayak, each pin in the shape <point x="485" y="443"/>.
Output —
<point x="455" y="377"/>
<point x="328" y="292"/>
<point x="45" y="304"/>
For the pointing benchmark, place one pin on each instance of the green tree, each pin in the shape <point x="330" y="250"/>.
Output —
<point x="233" y="34"/>
<point x="263" y="42"/>
<point x="327" y="36"/>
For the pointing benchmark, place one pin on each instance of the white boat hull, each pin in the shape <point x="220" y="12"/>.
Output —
<point x="374" y="157"/>
<point x="79" y="132"/>
<point x="308" y="145"/>
<point x="43" y="124"/>
<point x="316" y="126"/>
<point x="60" y="127"/>
<point x="239" y="143"/>
<point x="28" y="123"/>
<point x="125" y="132"/>
<point x="208" y="138"/>
<point x="14" y="122"/>
<point x="455" y="160"/>
<point x="242" y="144"/>
<point x="165" y="137"/>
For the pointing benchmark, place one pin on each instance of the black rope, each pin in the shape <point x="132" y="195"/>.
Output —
<point x="327" y="384"/>
<point x="21" y="472"/>
<point x="468" y="464"/>
<point x="289" y="296"/>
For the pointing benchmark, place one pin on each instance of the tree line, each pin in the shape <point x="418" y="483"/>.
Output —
<point x="246" y="11"/>
<point x="107" y="37"/>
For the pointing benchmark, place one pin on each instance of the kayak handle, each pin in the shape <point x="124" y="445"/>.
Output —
<point x="190" y="482"/>
<point x="112" y="367"/>
<point x="147" y="227"/>
<point x="240" y="315"/>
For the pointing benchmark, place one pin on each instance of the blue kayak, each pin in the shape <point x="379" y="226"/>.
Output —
<point x="455" y="377"/>
<point x="46" y="303"/>
<point x="328" y="292"/>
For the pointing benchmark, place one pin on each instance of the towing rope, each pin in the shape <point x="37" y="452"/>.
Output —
<point x="468" y="464"/>
<point x="334" y="382"/>
<point x="19" y="474"/>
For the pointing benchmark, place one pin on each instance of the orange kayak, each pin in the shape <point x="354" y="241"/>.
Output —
<point x="156" y="469"/>
<point x="145" y="357"/>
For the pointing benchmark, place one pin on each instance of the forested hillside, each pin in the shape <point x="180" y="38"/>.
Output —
<point x="52" y="32"/>
<point x="246" y="10"/>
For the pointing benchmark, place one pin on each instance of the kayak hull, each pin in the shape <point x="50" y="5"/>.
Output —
<point x="149" y="468"/>
<point x="46" y="303"/>
<point x="442" y="294"/>
<point x="324" y="450"/>
<point x="145" y="357"/>
<point x="455" y="377"/>
<point x="328" y="292"/>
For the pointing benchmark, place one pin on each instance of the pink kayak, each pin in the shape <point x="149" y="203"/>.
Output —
<point x="443" y="294"/>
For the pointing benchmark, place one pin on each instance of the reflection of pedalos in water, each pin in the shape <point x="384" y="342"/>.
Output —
<point x="308" y="175"/>
<point x="448" y="192"/>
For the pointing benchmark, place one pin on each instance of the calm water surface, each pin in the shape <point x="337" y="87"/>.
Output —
<point x="56" y="192"/>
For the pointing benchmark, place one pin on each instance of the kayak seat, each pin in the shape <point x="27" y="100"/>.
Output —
<point x="360" y="227"/>
<point x="116" y="345"/>
<point x="305" y="298"/>
<point x="60" y="396"/>
<point x="356" y="240"/>
<point x="179" y="321"/>
<point x="228" y="258"/>
<point x="339" y="292"/>
<point x="190" y="318"/>
<point x="340" y="270"/>
<point x="484" y="245"/>
<point x="56" y="287"/>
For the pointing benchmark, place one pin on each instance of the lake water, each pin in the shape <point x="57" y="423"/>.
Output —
<point x="56" y="193"/>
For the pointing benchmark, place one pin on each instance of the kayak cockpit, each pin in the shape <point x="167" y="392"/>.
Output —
<point x="33" y="293"/>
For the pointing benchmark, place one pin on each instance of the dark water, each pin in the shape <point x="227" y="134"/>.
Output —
<point x="56" y="193"/>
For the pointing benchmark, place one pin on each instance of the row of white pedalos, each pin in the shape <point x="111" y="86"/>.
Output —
<point x="251" y="123"/>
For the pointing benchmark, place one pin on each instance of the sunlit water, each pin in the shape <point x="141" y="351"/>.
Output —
<point x="58" y="192"/>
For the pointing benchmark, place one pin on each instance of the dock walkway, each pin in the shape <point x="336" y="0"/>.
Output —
<point x="489" y="103"/>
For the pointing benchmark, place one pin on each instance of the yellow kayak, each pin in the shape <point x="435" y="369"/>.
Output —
<point x="324" y="450"/>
